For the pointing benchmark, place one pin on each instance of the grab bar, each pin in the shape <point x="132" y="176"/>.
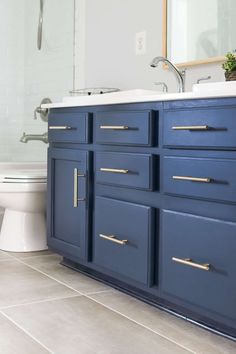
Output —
<point x="40" y="26"/>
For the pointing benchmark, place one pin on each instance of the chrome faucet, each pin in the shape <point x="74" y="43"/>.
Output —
<point x="179" y="75"/>
<point x="40" y="137"/>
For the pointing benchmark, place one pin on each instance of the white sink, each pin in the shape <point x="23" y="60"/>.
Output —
<point x="212" y="90"/>
<point x="227" y="87"/>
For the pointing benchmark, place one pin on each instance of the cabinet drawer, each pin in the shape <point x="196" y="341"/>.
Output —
<point x="129" y="128"/>
<point x="69" y="127"/>
<point x="123" y="234"/>
<point x="122" y="169"/>
<point x="200" y="177"/>
<point x="204" y="241"/>
<point x="210" y="128"/>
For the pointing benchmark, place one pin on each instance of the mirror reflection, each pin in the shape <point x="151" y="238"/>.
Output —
<point x="199" y="30"/>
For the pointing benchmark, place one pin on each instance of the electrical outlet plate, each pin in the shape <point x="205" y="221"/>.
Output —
<point x="140" y="43"/>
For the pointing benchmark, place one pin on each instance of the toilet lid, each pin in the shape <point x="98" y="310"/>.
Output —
<point x="24" y="176"/>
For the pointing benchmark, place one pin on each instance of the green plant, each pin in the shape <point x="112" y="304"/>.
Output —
<point x="230" y="65"/>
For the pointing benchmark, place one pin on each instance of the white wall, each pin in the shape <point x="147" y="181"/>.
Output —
<point x="28" y="75"/>
<point x="105" y="50"/>
<point x="12" y="74"/>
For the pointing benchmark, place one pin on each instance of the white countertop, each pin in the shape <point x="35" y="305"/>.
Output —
<point x="137" y="96"/>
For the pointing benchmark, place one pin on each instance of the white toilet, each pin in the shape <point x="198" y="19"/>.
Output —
<point x="23" y="197"/>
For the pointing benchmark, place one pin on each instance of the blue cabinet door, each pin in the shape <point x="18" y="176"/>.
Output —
<point x="198" y="264"/>
<point x="124" y="128"/>
<point x="201" y="128"/>
<point x="206" y="178"/>
<point x="68" y="127"/>
<point x="123" y="238"/>
<point x="123" y="169"/>
<point x="67" y="201"/>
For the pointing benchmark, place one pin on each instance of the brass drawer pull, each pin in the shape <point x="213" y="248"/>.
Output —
<point x="193" y="179"/>
<point x="112" y="238"/>
<point x="76" y="188"/>
<point x="192" y="127"/>
<point x="114" y="127"/>
<point x="189" y="262"/>
<point x="59" y="127"/>
<point x="113" y="170"/>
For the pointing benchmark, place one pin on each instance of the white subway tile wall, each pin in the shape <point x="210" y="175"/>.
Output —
<point x="29" y="75"/>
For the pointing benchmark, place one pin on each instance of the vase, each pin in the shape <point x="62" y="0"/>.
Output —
<point x="230" y="76"/>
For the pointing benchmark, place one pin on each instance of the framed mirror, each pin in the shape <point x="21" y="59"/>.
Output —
<point x="198" y="31"/>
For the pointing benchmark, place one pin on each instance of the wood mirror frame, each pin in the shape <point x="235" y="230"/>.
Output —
<point x="165" y="40"/>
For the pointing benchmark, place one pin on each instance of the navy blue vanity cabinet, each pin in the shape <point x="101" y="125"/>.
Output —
<point x="68" y="201"/>
<point x="143" y="197"/>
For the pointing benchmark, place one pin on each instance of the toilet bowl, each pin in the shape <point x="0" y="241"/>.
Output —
<point x="23" y="197"/>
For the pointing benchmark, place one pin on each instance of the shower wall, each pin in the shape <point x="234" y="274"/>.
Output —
<point x="29" y="75"/>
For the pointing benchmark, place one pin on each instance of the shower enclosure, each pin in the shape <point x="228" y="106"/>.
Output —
<point x="37" y="61"/>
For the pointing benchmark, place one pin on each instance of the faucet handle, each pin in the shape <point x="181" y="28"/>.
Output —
<point x="43" y="112"/>
<point x="163" y="84"/>
<point x="203" y="79"/>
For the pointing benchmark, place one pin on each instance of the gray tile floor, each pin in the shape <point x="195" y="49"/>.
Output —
<point x="47" y="308"/>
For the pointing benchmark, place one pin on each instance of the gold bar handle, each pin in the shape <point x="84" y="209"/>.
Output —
<point x="114" y="170"/>
<point x="114" y="127"/>
<point x="189" y="262"/>
<point x="193" y="179"/>
<point x="59" y="127"/>
<point x="112" y="238"/>
<point x="76" y="188"/>
<point x="192" y="127"/>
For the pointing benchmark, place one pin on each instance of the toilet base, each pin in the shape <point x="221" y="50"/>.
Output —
<point x="23" y="232"/>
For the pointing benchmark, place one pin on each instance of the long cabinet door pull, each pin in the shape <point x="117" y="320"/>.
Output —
<point x="189" y="262"/>
<point x="191" y="127"/>
<point x="114" y="127"/>
<point x="76" y="188"/>
<point x="193" y="179"/>
<point x="114" y="170"/>
<point x="59" y="127"/>
<point x="113" y="238"/>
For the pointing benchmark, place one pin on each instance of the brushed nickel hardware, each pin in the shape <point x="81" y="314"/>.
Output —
<point x="59" y="127"/>
<point x="114" y="127"/>
<point x="40" y="25"/>
<point x="32" y="137"/>
<point x="193" y="179"/>
<point x="180" y="75"/>
<point x="43" y="112"/>
<point x="192" y="127"/>
<point x="92" y="91"/>
<point x="113" y="170"/>
<point x="189" y="262"/>
<point x="113" y="238"/>
<point x="203" y="79"/>
<point x="76" y="188"/>
<point x="163" y="86"/>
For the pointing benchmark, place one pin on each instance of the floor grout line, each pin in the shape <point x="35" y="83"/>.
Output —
<point x="88" y="296"/>
<point x="30" y="257"/>
<point x="59" y="281"/>
<point x="112" y="290"/>
<point x="6" y="259"/>
<point x="47" y="275"/>
<point x="140" y="324"/>
<point x="38" y="301"/>
<point x="26" y="332"/>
